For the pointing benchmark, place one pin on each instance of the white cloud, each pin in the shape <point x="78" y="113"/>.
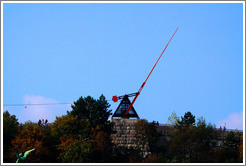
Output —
<point x="232" y="121"/>
<point x="36" y="112"/>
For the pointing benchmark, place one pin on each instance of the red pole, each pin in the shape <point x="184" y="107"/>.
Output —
<point x="140" y="89"/>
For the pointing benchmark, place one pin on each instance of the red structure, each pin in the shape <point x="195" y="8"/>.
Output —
<point x="115" y="98"/>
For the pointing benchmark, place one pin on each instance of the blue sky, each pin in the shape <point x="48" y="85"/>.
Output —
<point x="59" y="52"/>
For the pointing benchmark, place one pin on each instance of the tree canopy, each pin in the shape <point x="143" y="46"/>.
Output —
<point x="187" y="120"/>
<point x="84" y="135"/>
<point x="71" y="127"/>
<point x="96" y="111"/>
<point x="173" y="118"/>
<point x="10" y="129"/>
<point x="86" y="125"/>
<point x="146" y="135"/>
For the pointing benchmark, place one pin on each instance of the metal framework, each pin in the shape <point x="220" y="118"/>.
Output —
<point x="122" y="108"/>
<point x="115" y="98"/>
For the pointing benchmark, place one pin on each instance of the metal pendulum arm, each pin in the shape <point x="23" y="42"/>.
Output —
<point x="140" y="89"/>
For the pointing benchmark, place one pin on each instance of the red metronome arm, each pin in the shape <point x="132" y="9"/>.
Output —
<point x="140" y="89"/>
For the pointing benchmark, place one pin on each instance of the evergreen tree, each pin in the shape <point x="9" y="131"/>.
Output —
<point x="10" y="129"/>
<point x="96" y="111"/>
<point x="187" y="120"/>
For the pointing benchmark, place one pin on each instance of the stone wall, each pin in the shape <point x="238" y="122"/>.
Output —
<point x="125" y="131"/>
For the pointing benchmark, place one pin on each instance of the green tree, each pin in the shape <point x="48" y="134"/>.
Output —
<point x="229" y="151"/>
<point x="50" y="142"/>
<point x="67" y="130"/>
<point x="187" y="120"/>
<point x="190" y="143"/>
<point x="78" y="152"/>
<point x="88" y="120"/>
<point x="10" y="129"/>
<point x="181" y="143"/>
<point x="173" y="118"/>
<point x="146" y="136"/>
<point x="205" y="140"/>
<point x="96" y="111"/>
<point x="183" y="133"/>
<point x="71" y="127"/>
<point x="232" y="140"/>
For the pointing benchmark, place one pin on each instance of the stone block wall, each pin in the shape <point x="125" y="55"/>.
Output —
<point x="125" y="131"/>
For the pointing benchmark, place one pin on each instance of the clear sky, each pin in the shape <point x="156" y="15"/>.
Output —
<point x="59" y="52"/>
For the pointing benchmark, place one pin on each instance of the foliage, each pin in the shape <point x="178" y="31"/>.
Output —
<point x="91" y="149"/>
<point x="232" y="140"/>
<point x="181" y="143"/>
<point x="204" y="139"/>
<point x="123" y="154"/>
<point x="96" y="111"/>
<point x="32" y="136"/>
<point x="88" y="120"/>
<point x="192" y="143"/>
<point x="50" y="142"/>
<point x="70" y="127"/>
<point x="230" y="150"/>
<point x="173" y="118"/>
<point x="146" y="136"/>
<point x="84" y="135"/>
<point x="98" y="148"/>
<point x="10" y="129"/>
<point x="187" y="121"/>
<point x="78" y="152"/>
<point x="241" y="152"/>
<point x="102" y="142"/>
<point x="65" y="143"/>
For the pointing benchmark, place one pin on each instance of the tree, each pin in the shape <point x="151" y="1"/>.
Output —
<point x="124" y="154"/>
<point x="229" y="152"/>
<point x="231" y="140"/>
<point x="187" y="120"/>
<point x="10" y="129"/>
<point x="32" y="136"/>
<point x="67" y="130"/>
<point x="102" y="144"/>
<point x="205" y="140"/>
<point x="88" y="120"/>
<point x="190" y="143"/>
<point x="78" y="152"/>
<point x="241" y="152"/>
<point x="181" y="143"/>
<point x="146" y="136"/>
<point x="173" y="118"/>
<point x="96" y="148"/>
<point x="96" y="111"/>
<point x="71" y="127"/>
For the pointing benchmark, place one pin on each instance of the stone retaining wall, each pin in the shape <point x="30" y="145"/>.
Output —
<point x="125" y="131"/>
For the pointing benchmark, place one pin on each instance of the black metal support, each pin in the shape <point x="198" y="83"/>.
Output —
<point x="128" y="95"/>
